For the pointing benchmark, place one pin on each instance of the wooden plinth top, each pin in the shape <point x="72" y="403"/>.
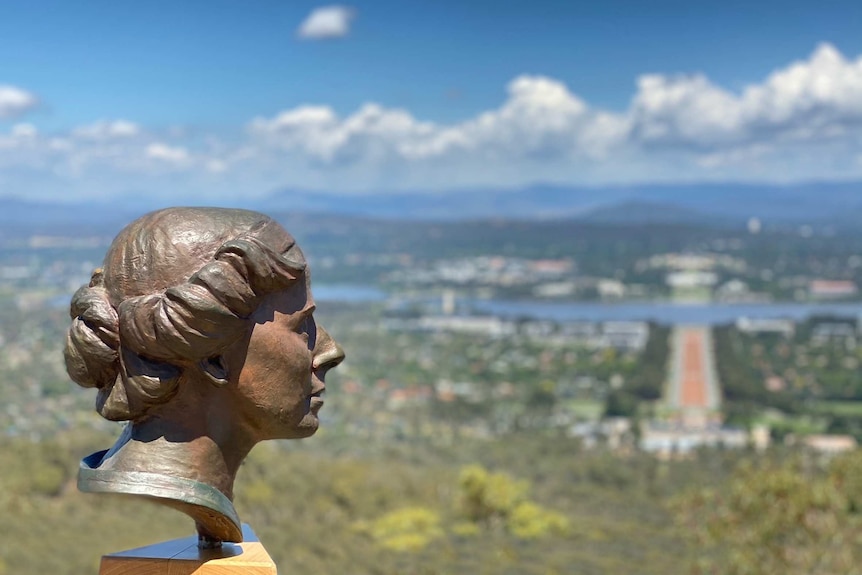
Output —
<point x="183" y="557"/>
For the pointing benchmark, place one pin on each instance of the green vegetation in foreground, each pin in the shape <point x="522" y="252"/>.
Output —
<point x="531" y="505"/>
<point x="524" y="505"/>
<point x="779" y="517"/>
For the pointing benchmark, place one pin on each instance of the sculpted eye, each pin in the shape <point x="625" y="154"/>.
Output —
<point x="305" y="319"/>
<point x="306" y="326"/>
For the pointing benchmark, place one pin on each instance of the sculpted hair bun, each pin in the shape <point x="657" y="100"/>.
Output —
<point x="135" y="353"/>
<point x="93" y="339"/>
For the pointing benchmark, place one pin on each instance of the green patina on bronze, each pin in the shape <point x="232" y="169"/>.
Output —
<point x="184" y="492"/>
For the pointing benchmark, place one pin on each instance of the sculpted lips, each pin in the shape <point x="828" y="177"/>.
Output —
<point x="317" y="389"/>
<point x="316" y="403"/>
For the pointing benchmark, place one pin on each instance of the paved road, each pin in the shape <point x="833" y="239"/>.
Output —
<point x="693" y="375"/>
<point x="691" y="415"/>
<point x="693" y="386"/>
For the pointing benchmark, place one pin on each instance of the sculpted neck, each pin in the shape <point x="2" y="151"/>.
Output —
<point x="185" y="454"/>
<point x="196" y="440"/>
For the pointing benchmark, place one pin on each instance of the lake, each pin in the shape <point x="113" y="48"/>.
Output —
<point x="661" y="312"/>
<point x="664" y="312"/>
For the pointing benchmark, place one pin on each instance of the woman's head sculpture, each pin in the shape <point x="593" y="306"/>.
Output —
<point x="199" y="332"/>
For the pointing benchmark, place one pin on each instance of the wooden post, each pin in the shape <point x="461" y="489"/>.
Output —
<point x="183" y="557"/>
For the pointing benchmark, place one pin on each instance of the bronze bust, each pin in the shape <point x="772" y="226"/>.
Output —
<point x="199" y="332"/>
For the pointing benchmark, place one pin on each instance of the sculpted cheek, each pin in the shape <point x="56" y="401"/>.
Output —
<point x="275" y="382"/>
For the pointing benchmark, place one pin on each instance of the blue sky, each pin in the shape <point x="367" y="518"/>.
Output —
<point x="202" y="98"/>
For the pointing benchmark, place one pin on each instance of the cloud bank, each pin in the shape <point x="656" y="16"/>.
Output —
<point x="803" y="121"/>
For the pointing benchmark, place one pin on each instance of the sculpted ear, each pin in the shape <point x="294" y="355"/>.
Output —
<point x="215" y="371"/>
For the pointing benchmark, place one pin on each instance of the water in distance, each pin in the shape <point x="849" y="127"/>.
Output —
<point x="660" y="312"/>
<point x="664" y="312"/>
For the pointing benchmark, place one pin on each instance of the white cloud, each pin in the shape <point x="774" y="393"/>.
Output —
<point x="825" y="89"/>
<point x="24" y="131"/>
<point x="19" y="137"/>
<point x="175" y="155"/>
<point x="685" y="109"/>
<point x="816" y="98"/>
<point x="327" y="22"/>
<point x="317" y="132"/>
<point x="540" y="116"/>
<point x="802" y="121"/>
<point x="105" y="130"/>
<point x="216" y="166"/>
<point x="675" y="127"/>
<point x="15" y="101"/>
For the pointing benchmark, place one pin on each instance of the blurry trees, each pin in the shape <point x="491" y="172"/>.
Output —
<point x="405" y="529"/>
<point x="496" y="500"/>
<point x="646" y="382"/>
<point x="489" y="502"/>
<point x="790" y="517"/>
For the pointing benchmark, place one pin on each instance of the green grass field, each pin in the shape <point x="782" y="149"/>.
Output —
<point x="586" y="408"/>
<point x="838" y="407"/>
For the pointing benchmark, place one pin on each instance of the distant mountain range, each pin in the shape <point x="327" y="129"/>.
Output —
<point x="836" y="203"/>
<point x="641" y="204"/>
<point x="67" y="218"/>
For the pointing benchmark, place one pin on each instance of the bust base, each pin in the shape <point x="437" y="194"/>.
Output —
<point x="183" y="557"/>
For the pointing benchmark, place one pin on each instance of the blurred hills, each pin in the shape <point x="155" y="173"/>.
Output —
<point x="717" y="204"/>
<point x="655" y="203"/>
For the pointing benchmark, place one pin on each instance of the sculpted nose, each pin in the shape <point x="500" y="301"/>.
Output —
<point x="327" y="353"/>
